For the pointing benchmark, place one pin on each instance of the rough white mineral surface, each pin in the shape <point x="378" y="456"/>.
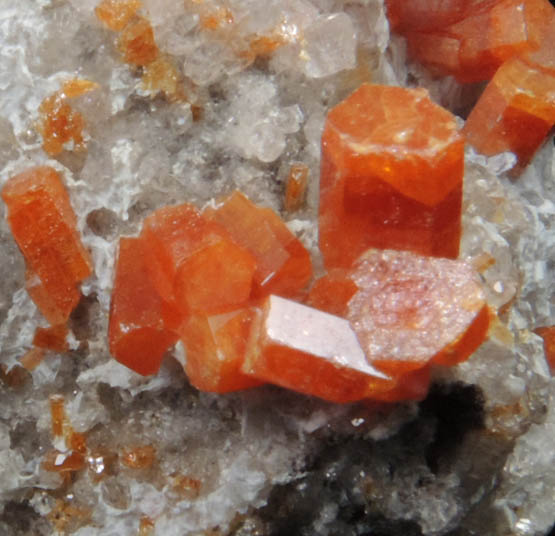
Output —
<point x="259" y="116"/>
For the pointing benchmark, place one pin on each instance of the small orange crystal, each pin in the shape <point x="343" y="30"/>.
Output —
<point x="391" y="176"/>
<point x="216" y="347"/>
<point x="140" y="457"/>
<point x="140" y="321"/>
<point x="411" y="311"/>
<point x="310" y="351"/>
<point x="60" y="123"/>
<point x="45" y="229"/>
<point x="332" y="292"/>
<point x="295" y="189"/>
<point x="115" y="14"/>
<point x="52" y="338"/>
<point x="136" y="43"/>
<point x="283" y="263"/>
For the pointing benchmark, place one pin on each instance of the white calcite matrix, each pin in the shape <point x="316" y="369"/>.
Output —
<point x="265" y="457"/>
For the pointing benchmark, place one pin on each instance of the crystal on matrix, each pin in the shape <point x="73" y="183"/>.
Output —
<point x="115" y="14"/>
<point x="310" y="351"/>
<point x="516" y="111"/>
<point x="283" y="263"/>
<point x="391" y="176"/>
<point x="136" y="43"/>
<point x="52" y="338"/>
<point x="45" y="228"/>
<point x="141" y="323"/>
<point x="411" y="311"/>
<point x="216" y="347"/>
<point x="295" y="188"/>
<point x="59" y="123"/>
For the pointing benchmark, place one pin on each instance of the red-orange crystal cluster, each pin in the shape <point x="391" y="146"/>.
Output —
<point x="198" y="274"/>
<point x="45" y="228"/>
<point x="511" y="43"/>
<point x="391" y="176"/>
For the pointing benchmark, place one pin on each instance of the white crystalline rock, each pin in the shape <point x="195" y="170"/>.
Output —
<point x="329" y="45"/>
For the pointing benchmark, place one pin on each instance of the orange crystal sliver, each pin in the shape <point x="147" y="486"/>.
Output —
<point x="311" y="352"/>
<point x="413" y="385"/>
<point x="44" y="226"/>
<point x="115" y="14"/>
<point x="295" y="189"/>
<point x="140" y="325"/>
<point x="548" y="335"/>
<point x="216" y="347"/>
<point x="411" y="311"/>
<point x="515" y="112"/>
<point x="391" y="176"/>
<point x="136" y="43"/>
<point x="283" y="263"/>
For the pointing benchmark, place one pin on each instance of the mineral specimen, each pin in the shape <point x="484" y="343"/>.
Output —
<point x="391" y="176"/>
<point x="44" y="227"/>
<point x="141" y="322"/>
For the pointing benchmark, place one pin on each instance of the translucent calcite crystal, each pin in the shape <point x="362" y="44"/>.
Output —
<point x="45" y="228"/>
<point x="391" y="176"/>
<point x="310" y="351"/>
<point x="470" y="39"/>
<point x="142" y="324"/>
<point x="516" y="111"/>
<point x="410" y="311"/>
<point x="283" y="264"/>
<point x="216" y="347"/>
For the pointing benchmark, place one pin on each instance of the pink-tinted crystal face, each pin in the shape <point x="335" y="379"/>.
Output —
<point x="310" y="351"/>
<point x="411" y="310"/>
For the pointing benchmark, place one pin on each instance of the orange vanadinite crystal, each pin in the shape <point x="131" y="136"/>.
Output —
<point x="391" y="176"/>
<point x="411" y="311"/>
<point x="295" y="189"/>
<point x="216" y="347"/>
<point x="136" y="43"/>
<point x="215" y="278"/>
<point x="516" y="111"/>
<point x="332" y="292"/>
<point x="44" y="227"/>
<point x="60" y="123"/>
<point x="52" y="338"/>
<point x="470" y="39"/>
<point x="283" y="263"/>
<point x="162" y="76"/>
<point x="141" y="323"/>
<point x="115" y="14"/>
<point x="548" y="336"/>
<point x="310" y="351"/>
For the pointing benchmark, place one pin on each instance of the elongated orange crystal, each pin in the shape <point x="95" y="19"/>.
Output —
<point x="310" y="351"/>
<point x="391" y="176"/>
<point x="411" y="311"/>
<point x="45" y="228"/>
<point x="141" y="323"/>
<point x="547" y="333"/>
<point x="283" y="263"/>
<point x="216" y="347"/>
